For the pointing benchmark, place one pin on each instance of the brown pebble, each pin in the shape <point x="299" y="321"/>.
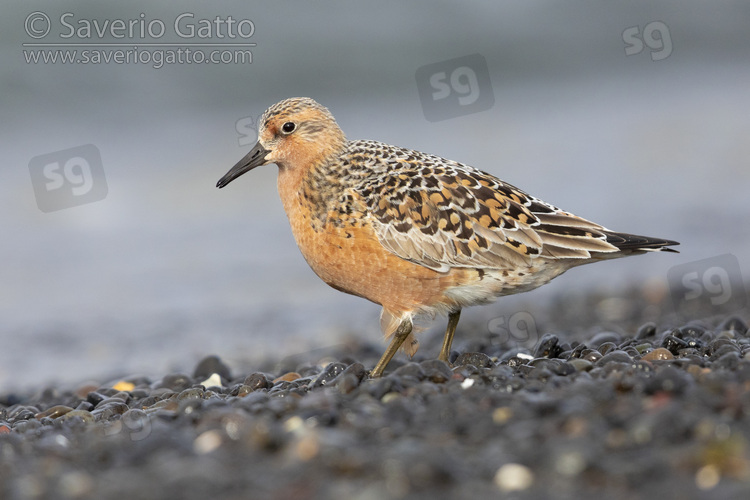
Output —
<point x="244" y="390"/>
<point x="287" y="377"/>
<point x="84" y="415"/>
<point x="84" y="390"/>
<point x="53" y="412"/>
<point x="164" y="404"/>
<point x="658" y="354"/>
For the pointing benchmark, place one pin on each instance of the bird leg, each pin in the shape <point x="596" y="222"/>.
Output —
<point x="403" y="331"/>
<point x="445" y="352"/>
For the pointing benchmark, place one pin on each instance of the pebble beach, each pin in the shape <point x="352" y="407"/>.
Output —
<point x="659" y="410"/>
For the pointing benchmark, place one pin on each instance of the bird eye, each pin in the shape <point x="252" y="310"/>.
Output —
<point x="288" y="127"/>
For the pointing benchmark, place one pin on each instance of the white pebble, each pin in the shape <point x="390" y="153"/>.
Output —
<point x="707" y="477"/>
<point x="213" y="381"/>
<point x="513" y="477"/>
<point x="207" y="442"/>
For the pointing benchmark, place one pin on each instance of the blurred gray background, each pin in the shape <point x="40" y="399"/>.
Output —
<point x="167" y="268"/>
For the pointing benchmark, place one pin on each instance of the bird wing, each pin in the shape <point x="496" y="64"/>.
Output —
<point x="442" y="214"/>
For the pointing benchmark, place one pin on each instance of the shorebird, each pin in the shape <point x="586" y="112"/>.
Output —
<point x="413" y="232"/>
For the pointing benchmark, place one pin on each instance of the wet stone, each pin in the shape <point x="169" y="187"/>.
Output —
<point x="477" y="359"/>
<point x="177" y="382"/>
<point x="95" y="398"/>
<point x="85" y="416"/>
<point x="615" y="357"/>
<point x="690" y="332"/>
<point x="516" y="361"/>
<point x="577" y="351"/>
<point x="411" y="370"/>
<point x="357" y="370"/>
<point x="734" y="323"/>
<point x="105" y="412"/>
<point x="328" y="374"/>
<point x="727" y="361"/>
<point x="581" y="365"/>
<point x="257" y="381"/>
<point x="23" y="426"/>
<point x="436" y="370"/>
<point x="22" y="413"/>
<point x="139" y="393"/>
<point x="53" y="412"/>
<point x="553" y="366"/>
<point x="658" y="354"/>
<point x="381" y="386"/>
<point x="210" y="365"/>
<point x="604" y="338"/>
<point x="287" y="377"/>
<point x="193" y="393"/>
<point x="241" y="390"/>
<point x="673" y="344"/>
<point x="85" y="405"/>
<point x="549" y="347"/>
<point x="647" y="330"/>
<point x="517" y="352"/>
<point x="107" y="401"/>
<point x="725" y="349"/>
<point x="346" y="382"/>
<point x="606" y="347"/>
<point x="591" y="355"/>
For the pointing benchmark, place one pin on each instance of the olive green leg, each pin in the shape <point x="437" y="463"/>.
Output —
<point x="403" y="331"/>
<point x="445" y="352"/>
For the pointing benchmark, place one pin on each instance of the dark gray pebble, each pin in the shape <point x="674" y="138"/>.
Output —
<point x="210" y="365"/>
<point x="591" y="355"/>
<point x="604" y="337"/>
<point x="410" y="370"/>
<point x="356" y="369"/>
<point x="346" y="382"/>
<point x="176" y="382"/>
<point x="436" y="370"/>
<point x="95" y="398"/>
<point x="673" y="344"/>
<point x="477" y="359"/>
<point x="614" y="356"/>
<point x="108" y="411"/>
<point x="549" y="347"/>
<point x="606" y="347"/>
<point x="257" y="381"/>
<point x="647" y="330"/>
<point x="328" y="374"/>
<point x="734" y="323"/>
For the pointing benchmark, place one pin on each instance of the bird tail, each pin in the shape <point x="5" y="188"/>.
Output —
<point x="634" y="243"/>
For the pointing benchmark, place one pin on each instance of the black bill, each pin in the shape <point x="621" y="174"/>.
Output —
<point x="255" y="158"/>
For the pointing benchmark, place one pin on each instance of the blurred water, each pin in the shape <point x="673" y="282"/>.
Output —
<point x="167" y="268"/>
